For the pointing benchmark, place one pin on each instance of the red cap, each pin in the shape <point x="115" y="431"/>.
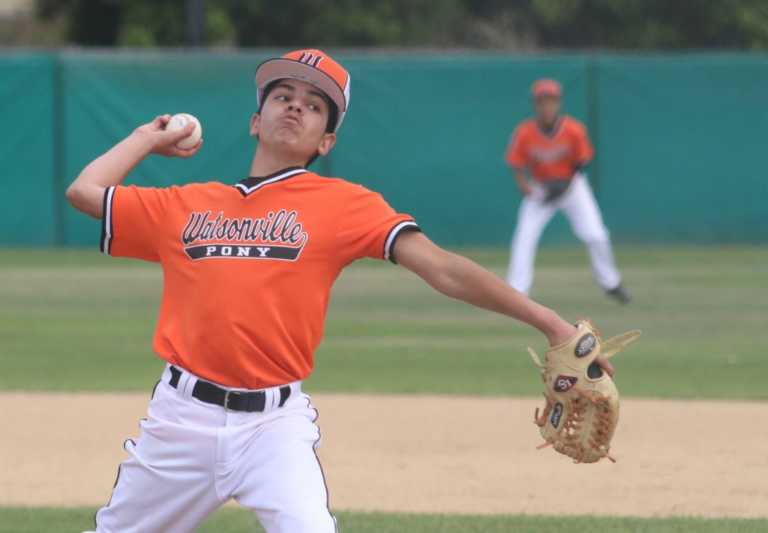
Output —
<point x="312" y="66"/>
<point x="546" y="87"/>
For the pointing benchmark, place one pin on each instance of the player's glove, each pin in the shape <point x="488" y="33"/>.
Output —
<point x="582" y="407"/>
<point x="555" y="189"/>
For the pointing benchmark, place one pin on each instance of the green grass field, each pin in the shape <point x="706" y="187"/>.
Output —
<point x="78" y="321"/>
<point x="66" y="316"/>
<point x="237" y="521"/>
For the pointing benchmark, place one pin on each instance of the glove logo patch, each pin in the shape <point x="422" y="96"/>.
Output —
<point x="585" y="345"/>
<point x="557" y="413"/>
<point x="564" y="383"/>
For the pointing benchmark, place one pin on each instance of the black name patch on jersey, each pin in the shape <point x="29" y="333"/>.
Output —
<point x="242" y="252"/>
<point x="278" y="235"/>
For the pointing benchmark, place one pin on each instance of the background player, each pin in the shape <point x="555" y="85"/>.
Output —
<point x="554" y="149"/>
<point x="247" y="272"/>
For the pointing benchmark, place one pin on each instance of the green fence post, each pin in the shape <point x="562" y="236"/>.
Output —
<point x="58" y="152"/>
<point x="593" y="118"/>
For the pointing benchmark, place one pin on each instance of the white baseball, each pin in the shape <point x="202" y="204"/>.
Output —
<point x="178" y="122"/>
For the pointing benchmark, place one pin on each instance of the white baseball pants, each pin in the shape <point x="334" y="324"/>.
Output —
<point x="579" y="205"/>
<point x="191" y="457"/>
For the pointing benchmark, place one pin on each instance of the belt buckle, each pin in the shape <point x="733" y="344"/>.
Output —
<point x="226" y="399"/>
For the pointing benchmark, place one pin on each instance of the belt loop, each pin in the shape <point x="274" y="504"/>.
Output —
<point x="186" y="386"/>
<point x="175" y="375"/>
<point x="285" y="393"/>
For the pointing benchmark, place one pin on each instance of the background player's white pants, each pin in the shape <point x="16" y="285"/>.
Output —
<point x="580" y="207"/>
<point x="191" y="457"/>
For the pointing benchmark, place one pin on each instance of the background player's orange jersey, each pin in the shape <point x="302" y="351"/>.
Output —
<point x="550" y="157"/>
<point x="248" y="268"/>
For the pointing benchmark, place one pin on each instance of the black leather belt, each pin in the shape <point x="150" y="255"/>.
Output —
<point x="249" y="402"/>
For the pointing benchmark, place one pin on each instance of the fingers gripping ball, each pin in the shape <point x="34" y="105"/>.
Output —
<point x="180" y="121"/>
<point x="582" y="402"/>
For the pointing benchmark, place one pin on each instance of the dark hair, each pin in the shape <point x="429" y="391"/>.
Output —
<point x="333" y="111"/>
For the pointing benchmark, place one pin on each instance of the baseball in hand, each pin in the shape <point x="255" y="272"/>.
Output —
<point x="180" y="121"/>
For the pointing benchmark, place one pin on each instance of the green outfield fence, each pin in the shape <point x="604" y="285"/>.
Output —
<point x="680" y="138"/>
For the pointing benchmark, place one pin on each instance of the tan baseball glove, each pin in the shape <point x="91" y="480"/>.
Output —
<point x="582" y="407"/>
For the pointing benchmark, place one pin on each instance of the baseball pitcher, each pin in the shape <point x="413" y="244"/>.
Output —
<point x="554" y="149"/>
<point x="247" y="272"/>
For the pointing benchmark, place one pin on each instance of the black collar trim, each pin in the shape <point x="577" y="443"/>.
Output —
<point x="254" y="183"/>
<point x="553" y="131"/>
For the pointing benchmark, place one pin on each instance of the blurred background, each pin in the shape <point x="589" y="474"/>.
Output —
<point x="674" y="97"/>
<point x="485" y="24"/>
<point x="672" y="92"/>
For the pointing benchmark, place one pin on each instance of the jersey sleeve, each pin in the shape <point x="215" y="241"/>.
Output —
<point x="132" y="221"/>
<point x="515" y="156"/>
<point x="584" y="151"/>
<point x="369" y="227"/>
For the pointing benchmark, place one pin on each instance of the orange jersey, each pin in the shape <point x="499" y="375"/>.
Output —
<point x="550" y="157"/>
<point x="248" y="268"/>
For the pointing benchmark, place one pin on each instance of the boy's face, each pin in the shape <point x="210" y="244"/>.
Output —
<point x="547" y="108"/>
<point x="293" y="119"/>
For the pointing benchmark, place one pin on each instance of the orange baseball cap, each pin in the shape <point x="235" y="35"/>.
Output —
<point x="546" y="87"/>
<point x="312" y="66"/>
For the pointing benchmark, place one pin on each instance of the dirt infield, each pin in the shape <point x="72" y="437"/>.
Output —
<point x="430" y="454"/>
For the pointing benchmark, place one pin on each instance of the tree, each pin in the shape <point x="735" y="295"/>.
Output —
<point x="622" y="24"/>
<point x="637" y="24"/>
<point x="142" y="23"/>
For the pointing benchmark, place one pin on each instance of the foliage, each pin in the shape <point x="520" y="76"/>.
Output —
<point x="622" y="24"/>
